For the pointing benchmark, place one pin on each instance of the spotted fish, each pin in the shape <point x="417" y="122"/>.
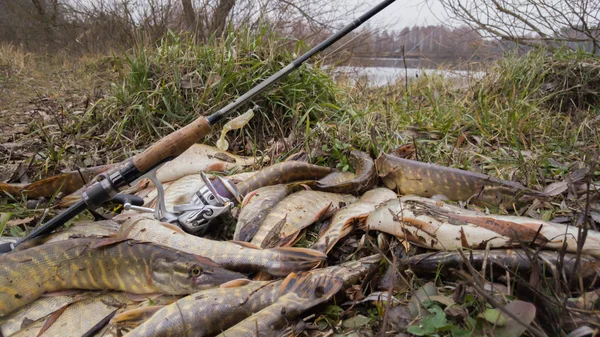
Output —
<point x="238" y="256"/>
<point x="298" y="294"/>
<point x="212" y="311"/>
<point x="281" y="173"/>
<point x="427" y="180"/>
<point x="351" y="217"/>
<point x="296" y="212"/>
<point x="98" y="264"/>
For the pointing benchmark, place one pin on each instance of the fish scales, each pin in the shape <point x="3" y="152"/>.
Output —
<point x="426" y="180"/>
<point x="134" y="267"/>
<point x="284" y="172"/>
<point x="80" y="317"/>
<point x="230" y="255"/>
<point x="347" y="218"/>
<point x="42" y="307"/>
<point x="65" y="182"/>
<point x="441" y="226"/>
<point x="86" y="229"/>
<point x="517" y="260"/>
<point x="198" y="158"/>
<point x="298" y="211"/>
<point x="214" y="310"/>
<point x="299" y="293"/>
<point x="255" y="210"/>
<point x="209" y="312"/>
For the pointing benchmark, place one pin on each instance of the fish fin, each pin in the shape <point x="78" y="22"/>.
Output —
<point x="247" y="198"/>
<point x="173" y="227"/>
<point x="311" y="286"/>
<point x="142" y="297"/>
<point x="249" y="230"/>
<point x="109" y="241"/>
<point x="100" y="325"/>
<point x="51" y="319"/>
<point x="272" y="238"/>
<point x="235" y="283"/>
<point x="288" y="283"/>
<point x="67" y="292"/>
<point x="245" y="244"/>
<point x="289" y="240"/>
<point x="326" y="212"/>
<point x="262" y="276"/>
<point x="135" y="317"/>
<point x="294" y="259"/>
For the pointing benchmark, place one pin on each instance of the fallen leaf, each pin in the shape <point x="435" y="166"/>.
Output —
<point x="493" y="316"/>
<point x="17" y="222"/>
<point x="456" y="312"/>
<point x="356" y="322"/>
<point x="560" y="187"/>
<point x="524" y="310"/>
<point x="445" y="300"/>
<point x="399" y="317"/>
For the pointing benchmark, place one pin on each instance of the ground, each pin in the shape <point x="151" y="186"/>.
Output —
<point x="533" y="119"/>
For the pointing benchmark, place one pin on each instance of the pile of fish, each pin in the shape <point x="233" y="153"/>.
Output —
<point x="134" y="275"/>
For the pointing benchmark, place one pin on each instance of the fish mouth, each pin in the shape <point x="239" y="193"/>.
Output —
<point x="216" y="278"/>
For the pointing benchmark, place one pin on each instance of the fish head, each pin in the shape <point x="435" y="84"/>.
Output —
<point x="187" y="273"/>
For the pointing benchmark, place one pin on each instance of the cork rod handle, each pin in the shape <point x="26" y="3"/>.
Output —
<point x="172" y="145"/>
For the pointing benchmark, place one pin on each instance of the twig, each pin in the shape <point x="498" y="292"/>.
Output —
<point x="389" y="298"/>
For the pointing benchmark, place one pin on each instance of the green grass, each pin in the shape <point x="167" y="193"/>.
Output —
<point x="165" y="87"/>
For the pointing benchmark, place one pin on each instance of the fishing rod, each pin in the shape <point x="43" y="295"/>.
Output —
<point x="177" y="142"/>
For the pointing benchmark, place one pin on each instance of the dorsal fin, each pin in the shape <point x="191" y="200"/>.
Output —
<point x="173" y="227"/>
<point x="288" y="282"/>
<point x="245" y="244"/>
<point x="109" y="241"/>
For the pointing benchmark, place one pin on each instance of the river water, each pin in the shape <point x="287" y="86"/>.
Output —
<point x="379" y="76"/>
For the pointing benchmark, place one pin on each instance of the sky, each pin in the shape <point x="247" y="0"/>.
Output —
<point x="403" y="13"/>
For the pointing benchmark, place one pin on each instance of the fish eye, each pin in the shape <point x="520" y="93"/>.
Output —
<point x="195" y="271"/>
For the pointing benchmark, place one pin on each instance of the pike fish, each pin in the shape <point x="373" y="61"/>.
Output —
<point x="84" y="317"/>
<point x="255" y="207"/>
<point x="427" y="180"/>
<point x="365" y="179"/>
<point x="66" y="183"/>
<point x="201" y="158"/>
<point x="437" y="225"/>
<point x="238" y="256"/>
<point x="101" y="264"/>
<point x="298" y="294"/>
<point x="38" y="309"/>
<point x="211" y="311"/>
<point x="296" y="212"/>
<point x="281" y="173"/>
<point x="351" y="216"/>
<point x="519" y="261"/>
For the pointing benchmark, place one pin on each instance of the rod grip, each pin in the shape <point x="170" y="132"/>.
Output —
<point x="172" y="145"/>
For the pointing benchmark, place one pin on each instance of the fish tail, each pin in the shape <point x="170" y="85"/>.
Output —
<point x="292" y="259"/>
<point x="311" y="286"/>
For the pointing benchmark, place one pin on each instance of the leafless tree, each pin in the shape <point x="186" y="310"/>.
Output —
<point x="570" y="23"/>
